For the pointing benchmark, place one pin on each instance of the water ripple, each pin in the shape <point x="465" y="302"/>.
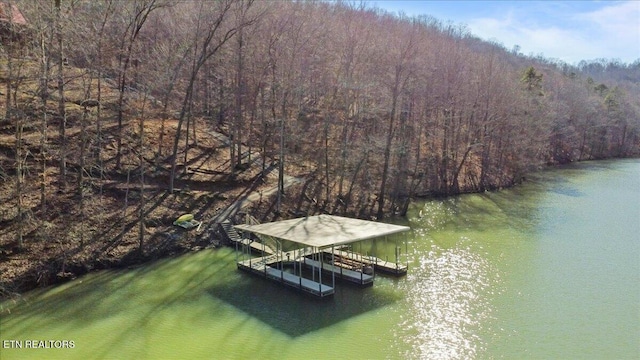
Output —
<point x="447" y="305"/>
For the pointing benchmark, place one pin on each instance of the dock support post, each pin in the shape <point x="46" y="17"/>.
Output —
<point x="333" y="266"/>
<point x="406" y="250"/>
<point x="397" y="251"/>
<point x="319" y="271"/>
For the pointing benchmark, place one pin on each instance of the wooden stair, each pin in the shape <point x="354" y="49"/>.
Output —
<point x="229" y="232"/>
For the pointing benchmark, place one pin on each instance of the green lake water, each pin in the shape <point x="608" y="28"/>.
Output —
<point x="547" y="270"/>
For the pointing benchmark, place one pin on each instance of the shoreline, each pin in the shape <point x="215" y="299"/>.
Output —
<point x="185" y="241"/>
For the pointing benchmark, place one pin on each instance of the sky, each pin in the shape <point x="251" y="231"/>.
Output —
<point x="569" y="31"/>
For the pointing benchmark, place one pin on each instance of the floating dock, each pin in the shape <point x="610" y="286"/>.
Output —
<point x="321" y="239"/>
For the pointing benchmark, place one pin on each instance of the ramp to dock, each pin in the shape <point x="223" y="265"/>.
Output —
<point x="233" y="237"/>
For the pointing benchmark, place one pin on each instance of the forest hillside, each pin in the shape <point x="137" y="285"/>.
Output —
<point x="119" y="116"/>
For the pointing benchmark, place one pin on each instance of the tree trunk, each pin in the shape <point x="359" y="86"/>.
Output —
<point x="237" y="127"/>
<point x="387" y="153"/>
<point x="19" y="165"/>
<point x="19" y="180"/>
<point x="44" y="96"/>
<point x="326" y="159"/>
<point x="61" y="106"/>
<point x="141" y="164"/>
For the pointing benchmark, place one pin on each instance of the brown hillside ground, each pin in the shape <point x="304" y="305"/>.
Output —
<point x="75" y="231"/>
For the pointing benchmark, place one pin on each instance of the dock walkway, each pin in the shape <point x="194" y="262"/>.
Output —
<point x="261" y="266"/>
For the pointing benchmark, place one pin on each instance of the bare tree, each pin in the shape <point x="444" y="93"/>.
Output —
<point x="10" y="48"/>
<point x="137" y="13"/>
<point x="400" y="69"/>
<point x="62" y="114"/>
<point x="141" y="166"/>
<point x="44" y="30"/>
<point x="210" y="36"/>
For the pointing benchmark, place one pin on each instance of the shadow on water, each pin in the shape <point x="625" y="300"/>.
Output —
<point x="558" y="179"/>
<point x="97" y="297"/>
<point x="517" y="207"/>
<point x="479" y="212"/>
<point x="296" y="314"/>
<point x="567" y="191"/>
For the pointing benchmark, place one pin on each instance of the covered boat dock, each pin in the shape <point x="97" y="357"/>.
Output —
<point x="315" y="245"/>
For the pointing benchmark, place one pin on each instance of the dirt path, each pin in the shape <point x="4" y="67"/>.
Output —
<point x="254" y="194"/>
<point x="256" y="191"/>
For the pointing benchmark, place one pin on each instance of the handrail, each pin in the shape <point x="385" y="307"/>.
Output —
<point x="250" y="220"/>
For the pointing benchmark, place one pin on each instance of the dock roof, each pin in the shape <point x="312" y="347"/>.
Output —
<point x="324" y="230"/>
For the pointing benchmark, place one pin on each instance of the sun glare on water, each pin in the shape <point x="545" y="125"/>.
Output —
<point x="447" y="307"/>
